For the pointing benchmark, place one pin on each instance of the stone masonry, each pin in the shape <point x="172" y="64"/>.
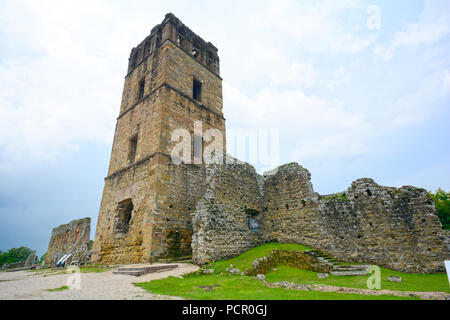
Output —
<point x="153" y="208"/>
<point x="173" y="80"/>
<point x="221" y="222"/>
<point x="368" y="223"/>
<point x="73" y="238"/>
<point x="395" y="228"/>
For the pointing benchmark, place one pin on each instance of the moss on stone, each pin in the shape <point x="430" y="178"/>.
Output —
<point x="295" y="259"/>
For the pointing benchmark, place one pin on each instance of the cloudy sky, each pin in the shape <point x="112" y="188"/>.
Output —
<point x="354" y="88"/>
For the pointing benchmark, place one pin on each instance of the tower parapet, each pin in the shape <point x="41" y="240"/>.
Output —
<point x="172" y="29"/>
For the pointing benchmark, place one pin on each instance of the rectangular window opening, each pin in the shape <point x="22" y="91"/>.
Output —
<point x="180" y="39"/>
<point x="132" y="148"/>
<point x="254" y="223"/>
<point x="197" y="90"/>
<point x="209" y="60"/>
<point x="195" y="52"/>
<point x="253" y="220"/>
<point x="195" y="49"/>
<point x="141" y="89"/>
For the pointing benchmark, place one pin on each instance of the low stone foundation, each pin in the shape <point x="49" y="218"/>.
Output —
<point x="295" y="259"/>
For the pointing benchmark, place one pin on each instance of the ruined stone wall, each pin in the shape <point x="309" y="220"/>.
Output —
<point x="291" y="205"/>
<point x="447" y="235"/>
<point x="31" y="259"/>
<point x="397" y="228"/>
<point x="394" y="228"/>
<point x="68" y="238"/>
<point x="220" y="224"/>
<point x="186" y="186"/>
<point x="111" y="245"/>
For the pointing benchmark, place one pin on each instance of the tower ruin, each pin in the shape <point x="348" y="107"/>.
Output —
<point x="173" y="80"/>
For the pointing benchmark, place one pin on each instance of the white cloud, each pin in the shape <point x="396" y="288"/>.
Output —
<point x="283" y="43"/>
<point x="62" y="74"/>
<point x="293" y="75"/>
<point x="333" y="78"/>
<point x="318" y="26"/>
<point x="313" y="128"/>
<point x="433" y="25"/>
<point x="446" y="81"/>
<point x="61" y="77"/>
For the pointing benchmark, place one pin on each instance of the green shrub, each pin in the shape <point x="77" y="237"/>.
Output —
<point x="14" y="255"/>
<point x="63" y="288"/>
<point x="41" y="260"/>
<point x="442" y="202"/>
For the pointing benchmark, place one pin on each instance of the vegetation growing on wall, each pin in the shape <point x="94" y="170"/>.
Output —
<point x="442" y="202"/>
<point x="41" y="260"/>
<point x="294" y="259"/>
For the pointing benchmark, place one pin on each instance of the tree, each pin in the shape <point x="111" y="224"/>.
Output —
<point x="15" y="255"/>
<point x="442" y="202"/>
<point x="42" y="258"/>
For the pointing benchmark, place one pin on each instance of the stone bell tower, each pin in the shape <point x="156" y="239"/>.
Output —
<point x="173" y="80"/>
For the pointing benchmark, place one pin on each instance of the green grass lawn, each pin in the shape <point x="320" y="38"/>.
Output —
<point x="410" y="281"/>
<point x="94" y="269"/>
<point x="249" y="288"/>
<point x="63" y="288"/>
<point x="245" y="260"/>
<point x="242" y="288"/>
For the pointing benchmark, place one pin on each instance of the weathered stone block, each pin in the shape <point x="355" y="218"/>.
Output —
<point x="394" y="279"/>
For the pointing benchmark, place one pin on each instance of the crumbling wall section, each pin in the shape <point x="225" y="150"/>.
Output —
<point x="291" y="205"/>
<point x="186" y="185"/>
<point x="394" y="228"/>
<point x="69" y="238"/>
<point x="221" y="220"/>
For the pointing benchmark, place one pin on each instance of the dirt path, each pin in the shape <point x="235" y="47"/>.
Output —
<point x="324" y="288"/>
<point x="24" y="285"/>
